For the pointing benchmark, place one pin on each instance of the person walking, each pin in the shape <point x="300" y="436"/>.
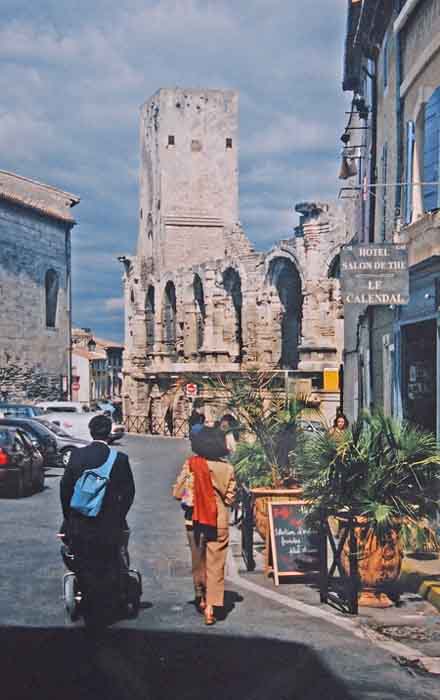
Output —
<point x="206" y="487"/>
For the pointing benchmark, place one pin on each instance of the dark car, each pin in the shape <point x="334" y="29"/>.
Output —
<point x="21" y="463"/>
<point x="18" y="410"/>
<point x="38" y="433"/>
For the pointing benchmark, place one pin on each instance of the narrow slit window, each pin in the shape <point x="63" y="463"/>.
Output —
<point x="171" y="140"/>
<point x="228" y="143"/>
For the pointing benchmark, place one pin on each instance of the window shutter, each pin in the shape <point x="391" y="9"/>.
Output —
<point x="384" y="190"/>
<point x="431" y="152"/>
<point x="410" y="140"/>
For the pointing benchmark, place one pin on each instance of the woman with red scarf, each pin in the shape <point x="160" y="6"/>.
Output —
<point x="206" y="488"/>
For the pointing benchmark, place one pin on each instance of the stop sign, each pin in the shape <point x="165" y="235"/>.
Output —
<point x="191" y="390"/>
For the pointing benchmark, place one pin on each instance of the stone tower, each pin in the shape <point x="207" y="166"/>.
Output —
<point x="188" y="176"/>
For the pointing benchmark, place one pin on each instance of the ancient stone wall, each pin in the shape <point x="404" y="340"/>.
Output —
<point x="33" y="356"/>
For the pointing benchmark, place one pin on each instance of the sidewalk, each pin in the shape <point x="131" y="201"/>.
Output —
<point x="415" y="623"/>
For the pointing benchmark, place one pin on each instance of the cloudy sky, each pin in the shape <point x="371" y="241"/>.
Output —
<point x="74" y="74"/>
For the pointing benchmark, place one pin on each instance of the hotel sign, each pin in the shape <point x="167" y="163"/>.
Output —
<point x="375" y="274"/>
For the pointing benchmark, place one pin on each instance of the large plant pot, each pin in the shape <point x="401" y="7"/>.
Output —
<point x="378" y="565"/>
<point x="262" y="495"/>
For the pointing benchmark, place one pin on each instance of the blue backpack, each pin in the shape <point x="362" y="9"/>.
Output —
<point x="91" y="486"/>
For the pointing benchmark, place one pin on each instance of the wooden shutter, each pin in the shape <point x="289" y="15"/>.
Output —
<point x="431" y="152"/>
<point x="410" y="140"/>
<point x="384" y="189"/>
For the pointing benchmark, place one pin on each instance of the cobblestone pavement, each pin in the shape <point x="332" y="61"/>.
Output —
<point x="262" y="649"/>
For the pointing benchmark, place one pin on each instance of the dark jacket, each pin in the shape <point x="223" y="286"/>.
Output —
<point x="117" y="500"/>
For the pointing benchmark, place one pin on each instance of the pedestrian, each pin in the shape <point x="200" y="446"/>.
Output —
<point x="229" y="426"/>
<point x="196" y="421"/>
<point x="340" y="425"/>
<point x="106" y="530"/>
<point x="206" y="488"/>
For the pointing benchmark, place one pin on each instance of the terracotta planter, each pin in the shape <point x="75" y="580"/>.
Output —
<point x="378" y="565"/>
<point x="262" y="495"/>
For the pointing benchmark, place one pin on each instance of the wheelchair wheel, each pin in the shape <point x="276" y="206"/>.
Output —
<point x="71" y="601"/>
<point x="134" y="593"/>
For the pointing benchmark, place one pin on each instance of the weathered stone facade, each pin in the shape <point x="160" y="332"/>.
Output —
<point x="35" y="225"/>
<point x="199" y="301"/>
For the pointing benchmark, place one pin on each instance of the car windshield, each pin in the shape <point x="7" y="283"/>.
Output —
<point x="54" y="428"/>
<point x="62" y="409"/>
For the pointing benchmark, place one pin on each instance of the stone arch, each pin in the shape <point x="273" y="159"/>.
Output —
<point x="200" y="309"/>
<point x="284" y="276"/>
<point x="169" y="317"/>
<point x="232" y="287"/>
<point x="334" y="269"/>
<point x="150" y="317"/>
<point x="51" y="286"/>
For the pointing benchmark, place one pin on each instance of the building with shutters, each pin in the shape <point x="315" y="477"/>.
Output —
<point x="392" y="67"/>
<point x="200" y="302"/>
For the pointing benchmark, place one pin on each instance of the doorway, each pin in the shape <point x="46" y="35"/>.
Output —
<point x="419" y="374"/>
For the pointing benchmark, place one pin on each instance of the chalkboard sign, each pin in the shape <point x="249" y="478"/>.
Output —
<point x="293" y="546"/>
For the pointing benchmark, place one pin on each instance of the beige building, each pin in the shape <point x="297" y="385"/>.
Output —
<point x="35" y="262"/>
<point x="96" y="367"/>
<point x="392" y="64"/>
<point x="199" y="301"/>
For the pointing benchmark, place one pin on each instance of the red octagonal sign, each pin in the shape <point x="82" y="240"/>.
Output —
<point x="191" y="390"/>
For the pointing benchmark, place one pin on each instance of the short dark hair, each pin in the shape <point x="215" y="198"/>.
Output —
<point x="100" y="427"/>
<point x="209" y="443"/>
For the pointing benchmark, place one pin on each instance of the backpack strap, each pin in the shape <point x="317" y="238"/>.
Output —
<point x="106" y="468"/>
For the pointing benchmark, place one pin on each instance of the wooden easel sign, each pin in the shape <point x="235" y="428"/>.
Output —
<point x="292" y="547"/>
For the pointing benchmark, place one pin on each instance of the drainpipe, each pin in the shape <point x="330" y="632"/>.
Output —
<point x="69" y="312"/>
<point x="399" y="126"/>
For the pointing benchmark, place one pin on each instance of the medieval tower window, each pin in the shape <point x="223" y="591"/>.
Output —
<point x="171" y="140"/>
<point x="169" y="317"/>
<point x="228" y="143"/>
<point x="150" y="317"/>
<point x="51" y="283"/>
<point x="232" y="286"/>
<point x="199" y="301"/>
<point x="284" y="276"/>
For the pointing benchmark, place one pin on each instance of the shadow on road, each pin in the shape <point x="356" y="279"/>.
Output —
<point x="128" y="664"/>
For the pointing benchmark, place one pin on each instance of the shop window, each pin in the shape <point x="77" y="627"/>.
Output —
<point x="431" y="152"/>
<point x="51" y="284"/>
<point x="419" y="374"/>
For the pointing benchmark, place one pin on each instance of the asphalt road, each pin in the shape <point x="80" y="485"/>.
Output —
<point x="260" y="650"/>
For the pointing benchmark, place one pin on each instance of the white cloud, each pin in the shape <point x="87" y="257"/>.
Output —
<point x="74" y="74"/>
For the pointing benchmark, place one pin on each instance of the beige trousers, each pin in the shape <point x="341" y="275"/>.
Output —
<point x="208" y="566"/>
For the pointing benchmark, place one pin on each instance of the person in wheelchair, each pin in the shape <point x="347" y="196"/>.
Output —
<point x="97" y="541"/>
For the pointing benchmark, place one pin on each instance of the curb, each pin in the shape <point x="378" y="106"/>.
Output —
<point x="426" y="585"/>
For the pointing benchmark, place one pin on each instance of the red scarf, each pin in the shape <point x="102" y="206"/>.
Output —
<point x="205" y="505"/>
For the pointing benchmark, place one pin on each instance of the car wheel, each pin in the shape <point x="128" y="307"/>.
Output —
<point x="65" y="456"/>
<point x="19" y="486"/>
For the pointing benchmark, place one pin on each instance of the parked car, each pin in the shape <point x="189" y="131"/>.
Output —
<point x="40" y="436"/>
<point x="19" y="410"/>
<point x="65" y="442"/>
<point x="74" y="418"/>
<point x="21" y="463"/>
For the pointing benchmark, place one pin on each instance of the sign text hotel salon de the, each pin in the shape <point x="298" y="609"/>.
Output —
<point x="375" y="274"/>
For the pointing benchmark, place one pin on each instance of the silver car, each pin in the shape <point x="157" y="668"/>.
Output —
<point x="65" y="442"/>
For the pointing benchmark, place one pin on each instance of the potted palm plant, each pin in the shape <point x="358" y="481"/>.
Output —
<point x="268" y="422"/>
<point x="387" y="474"/>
